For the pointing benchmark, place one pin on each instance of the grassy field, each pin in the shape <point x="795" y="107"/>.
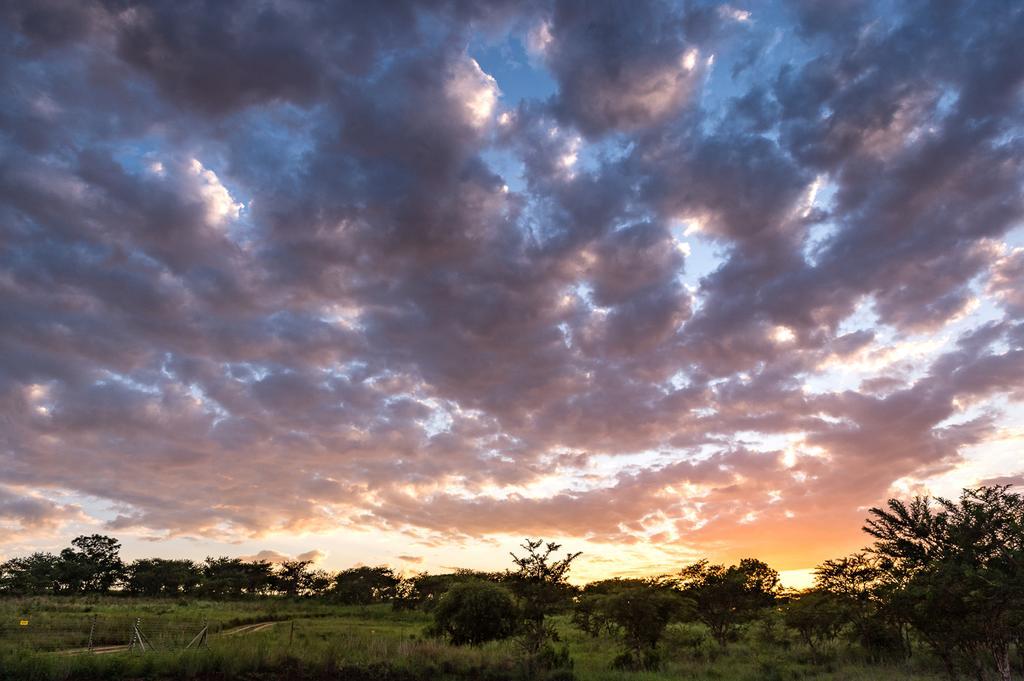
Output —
<point x="311" y="640"/>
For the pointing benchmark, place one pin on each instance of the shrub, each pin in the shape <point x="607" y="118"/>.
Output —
<point x="476" y="612"/>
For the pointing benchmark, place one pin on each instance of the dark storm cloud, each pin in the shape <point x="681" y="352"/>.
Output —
<point x="260" y="270"/>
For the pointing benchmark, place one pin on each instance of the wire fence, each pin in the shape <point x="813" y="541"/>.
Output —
<point x="73" y="634"/>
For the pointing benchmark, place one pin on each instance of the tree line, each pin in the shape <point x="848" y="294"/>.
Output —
<point x="941" y="577"/>
<point x="92" y="565"/>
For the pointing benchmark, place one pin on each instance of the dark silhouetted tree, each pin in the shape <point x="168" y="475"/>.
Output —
<point x="224" y="577"/>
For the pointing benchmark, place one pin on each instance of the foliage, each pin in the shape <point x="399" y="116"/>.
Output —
<point x="365" y="585"/>
<point x="588" y="613"/>
<point x="92" y="564"/>
<point x="726" y="597"/>
<point x="161" y="577"/>
<point x="864" y="589"/>
<point x="958" y="567"/>
<point x="819" y="616"/>
<point x="33" y="574"/>
<point x="642" y="612"/>
<point x="423" y="591"/>
<point x="541" y="586"/>
<point x="475" y="612"/>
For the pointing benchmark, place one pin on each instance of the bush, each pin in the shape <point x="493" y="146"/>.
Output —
<point x="642" y="612"/>
<point x="476" y="612"/>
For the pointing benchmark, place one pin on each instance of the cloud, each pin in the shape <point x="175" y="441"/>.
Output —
<point x="295" y="268"/>
<point x="618" y="67"/>
<point x="271" y="556"/>
<point x="24" y="514"/>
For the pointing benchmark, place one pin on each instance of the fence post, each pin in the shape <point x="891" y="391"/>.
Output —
<point x="199" y="640"/>
<point x="139" y="638"/>
<point x="92" y="632"/>
<point x="135" y="637"/>
<point x="291" y="634"/>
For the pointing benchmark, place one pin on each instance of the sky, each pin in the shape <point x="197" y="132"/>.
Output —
<point x="405" y="283"/>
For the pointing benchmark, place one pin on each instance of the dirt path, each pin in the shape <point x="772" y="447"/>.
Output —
<point x="234" y="631"/>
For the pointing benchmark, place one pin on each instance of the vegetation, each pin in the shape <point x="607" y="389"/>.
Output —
<point x="938" y="594"/>
<point x="476" y="612"/>
<point x="727" y="597"/>
<point x="641" y="612"/>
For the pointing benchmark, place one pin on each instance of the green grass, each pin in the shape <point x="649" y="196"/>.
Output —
<point x="688" y="653"/>
<point x="313" y="640"/>
<point x="61" y="623"/>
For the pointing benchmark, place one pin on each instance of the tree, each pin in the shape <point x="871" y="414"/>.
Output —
<point x="292" y="577"/>
<point x="225" y="577"/>
<point x="365" y="585"/>
<point x="92" y="565"/>
<point x="318" y="583"/>
<point x="959" y="567"/>
<point x="475" y="612"/>
<point x="541" y="586"/>
<point x="642" y="612"/>
<point x="587" y="612"/>
<point x="30" y="575"/>
<point x="818" y="616"/>
<point x="162" y="577"/>
<point x="258" y="577"/>
<point x="424" y="591"/>
<point x="727" y="597"/>
<point x="865" y="589"/>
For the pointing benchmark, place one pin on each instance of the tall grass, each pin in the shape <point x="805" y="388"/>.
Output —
<point x="317" y="641"/>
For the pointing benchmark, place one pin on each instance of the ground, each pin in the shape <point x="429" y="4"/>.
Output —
<point x="312" y="640"/>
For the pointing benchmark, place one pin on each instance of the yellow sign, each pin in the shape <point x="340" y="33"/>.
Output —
<point x="23" y="623"/>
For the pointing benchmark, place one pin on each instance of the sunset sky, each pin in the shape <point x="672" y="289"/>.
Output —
<point x="404" y="283"/>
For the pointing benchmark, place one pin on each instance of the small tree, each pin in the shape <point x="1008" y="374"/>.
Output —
<point x="476" y="612"/>
<point x="318" y="582"/>
<point x="258" y="577"/>
<point x="588" y="613"/>
<point x="817" y="616"/>
<point x="865" y="588"/>
<point x="541" y="586"/>
<point x="424" y="591"/>
<point x="642" y="612"/>
<point x="727" y="597"/>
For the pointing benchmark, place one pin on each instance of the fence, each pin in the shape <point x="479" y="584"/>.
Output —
<point x="74" y="634"/>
